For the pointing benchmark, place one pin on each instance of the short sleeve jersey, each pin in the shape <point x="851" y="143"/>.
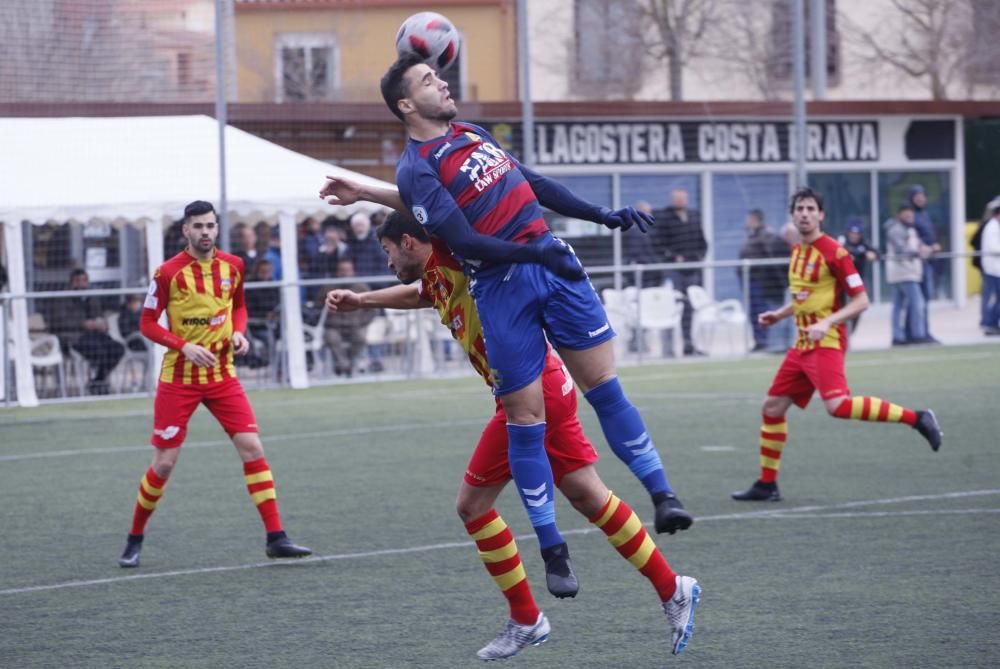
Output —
<point x="819" y="275"/>
<point x="199" y="297"/>
<point x="467" y="170"/>
<point x="446" y="286"/>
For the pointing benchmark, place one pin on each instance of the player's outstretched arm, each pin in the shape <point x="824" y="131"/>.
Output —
<point x="394" y="297"/>
<point x="341" y="191"/>
<point x="558" y="198"/>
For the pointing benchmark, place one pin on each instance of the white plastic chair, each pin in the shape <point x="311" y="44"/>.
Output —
<point x="46" y="355"/>
<point x="621" y="306"/>
<point x="710" y="315"/>
<point x="660" y="310"/>
<point x="132" y="358"/>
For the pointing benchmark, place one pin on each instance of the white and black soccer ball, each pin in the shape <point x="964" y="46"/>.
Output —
<point x="432" y="37"/>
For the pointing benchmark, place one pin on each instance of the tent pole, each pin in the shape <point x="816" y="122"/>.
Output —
<point x="220" y="115"/>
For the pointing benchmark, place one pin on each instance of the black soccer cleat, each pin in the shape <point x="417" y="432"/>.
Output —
<point x="130" y="556"/>
<point x="282" y="548"/>
<point x="559" y="575"/>
<point x="758" y="492"/>
<point x="929" y="428"/>
<point x="670" y="514"/>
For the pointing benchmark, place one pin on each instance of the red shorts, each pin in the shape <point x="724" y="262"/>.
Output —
<point x="566" y="444"/>
<point x="176" y="402"/>
<point x="804" y="372"/>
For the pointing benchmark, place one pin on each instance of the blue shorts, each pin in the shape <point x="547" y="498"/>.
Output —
<point x="519" y="305"/>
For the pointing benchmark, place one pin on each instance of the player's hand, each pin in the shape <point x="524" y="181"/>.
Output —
<point x="817" y="330"/>
<point x="199" y="355"/>
<point x="559" y="259"/>
<point x="241" y="345"/>
<point x="625" y="218"/>
<point x="767" y="318"/>
<point x="338" y="190"/>
<point x="342" y="300"/>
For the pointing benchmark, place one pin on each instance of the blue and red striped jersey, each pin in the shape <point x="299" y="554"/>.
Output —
<point x="468" y="170"/>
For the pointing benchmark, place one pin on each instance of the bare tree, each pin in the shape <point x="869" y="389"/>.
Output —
<point x="606" y="54"/>
<point x="675" y="29"/>
<point x="743" y="44"/>
<point x="926" y="40"/>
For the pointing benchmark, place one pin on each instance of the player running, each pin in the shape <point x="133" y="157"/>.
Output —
<point x="412" y="256"/>
<point x="201" y="289"/>
<point x="820" y="273"/>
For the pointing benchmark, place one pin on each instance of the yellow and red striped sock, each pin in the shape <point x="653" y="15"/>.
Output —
<point x="150" y="492"/>
<point x="260" y="485"/>
<point x="875" y="409"/>
<point x="498" y="551"/>
<point x="628" y="536"/>
<point x="773" y="435"/>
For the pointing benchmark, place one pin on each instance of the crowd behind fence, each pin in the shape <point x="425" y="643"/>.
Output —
<point x="385" y="344"/>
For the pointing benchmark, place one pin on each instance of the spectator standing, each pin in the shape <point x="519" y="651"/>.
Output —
<point x="641" y="249"/>
<point x="767" y="288"/>
<point x="862" y="254"/>
<point x="344" y="331"/>
<point x="928" y="237"/>
<point x="904" y="271"/>
<point x="678" y="237"/>
<point x="79" y="323"/>
<point x="244" y="244"/>
<point x="990" y="266"/>
<point x="365" y="251"/>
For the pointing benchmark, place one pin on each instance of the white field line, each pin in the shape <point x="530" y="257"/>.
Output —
<point x="794" y="512"/>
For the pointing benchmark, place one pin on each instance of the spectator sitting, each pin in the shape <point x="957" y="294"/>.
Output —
<point x="365" y="250"/>
<point x="269" y="247"/>
<point x="344" y="332"/>
<point x="263" y="310"/>
<point x="245" y="244"/>
<point x="80" y="325"/>
<point x="128" y="322"/>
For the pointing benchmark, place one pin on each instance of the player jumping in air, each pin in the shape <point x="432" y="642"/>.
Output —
<point x="412" y="255"/>
<point x="820" y="273"/>
<point x="201" y="289"/>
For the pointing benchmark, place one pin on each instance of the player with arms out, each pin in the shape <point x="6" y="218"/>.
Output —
<point x="820" y="273"/>
<point x="201" y="290"/>
<point x="414" y="256"/>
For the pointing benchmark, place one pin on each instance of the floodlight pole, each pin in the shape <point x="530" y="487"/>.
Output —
<point x="524" y="79"/>
<point x="220" y="116"/>
<point x="798" y="74"/>
<point x="817" y="64"/>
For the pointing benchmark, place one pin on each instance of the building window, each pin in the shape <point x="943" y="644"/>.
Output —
<point x="982" y="61"/>
<point x="608" y="48"/>
<point x="779" y="61"/>
<point x="305" y="67"/>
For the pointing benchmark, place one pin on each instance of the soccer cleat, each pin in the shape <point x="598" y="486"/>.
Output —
<point x="130" y="556"/>
<point x="514" y="637"/>
<point x="283" y="547"/>
<point x="929" y="428"/>
<point x="559" y="575"/>
<point x="670" y="514"/>
<point x="680" y="612"/>
<point x="759" y="492"/>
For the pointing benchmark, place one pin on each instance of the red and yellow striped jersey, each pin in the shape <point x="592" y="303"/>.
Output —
<point x="205" y="305"/>
<point x="445" y="285"/>
<point x="819" y="275"/>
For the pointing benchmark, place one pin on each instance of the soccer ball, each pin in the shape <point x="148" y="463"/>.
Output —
<point x="430" y="36"/>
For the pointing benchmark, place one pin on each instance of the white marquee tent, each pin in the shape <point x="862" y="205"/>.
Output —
<point x="143" y="170"/>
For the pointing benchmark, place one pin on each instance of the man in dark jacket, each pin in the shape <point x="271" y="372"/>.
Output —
<point x="767" y="287"/>
<point x="79" y="322"/>
<point x="677" y="237"/>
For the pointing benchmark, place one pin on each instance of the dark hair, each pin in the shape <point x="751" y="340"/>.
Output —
<point x="197" y="208"/>
<point x="76" y="272"/>
<point x="904" y="207"/>
<point x="398" y="224"/>
<point x="393" y="87"/>
<point x="805" y="193"/>
<point x="757" y="213"/>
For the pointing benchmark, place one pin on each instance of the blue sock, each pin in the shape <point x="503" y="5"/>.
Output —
<point x="627" y="435"/>
<point x="529" y="466"/>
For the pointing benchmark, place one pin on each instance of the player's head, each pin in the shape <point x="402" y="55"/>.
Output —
<point x="807" y="212"/>
<point x="201" y="227"/>
<point x="412" y="90"/>
<point x="407" y="245"/>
